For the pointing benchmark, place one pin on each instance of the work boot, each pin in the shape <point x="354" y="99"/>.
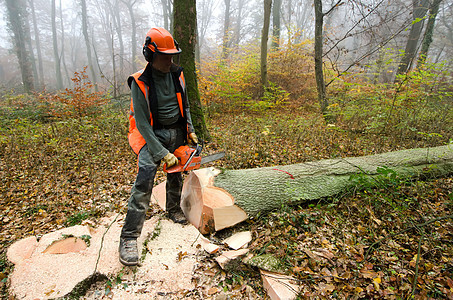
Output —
<point x="128" y="252"/>
<point x="178" y="217"/>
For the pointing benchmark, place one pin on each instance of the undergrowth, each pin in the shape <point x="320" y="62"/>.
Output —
<point x="57" y="169"/>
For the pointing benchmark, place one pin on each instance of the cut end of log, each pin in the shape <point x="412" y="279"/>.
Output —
<point x="68" y="245"/>
<point x="207" y="207"/>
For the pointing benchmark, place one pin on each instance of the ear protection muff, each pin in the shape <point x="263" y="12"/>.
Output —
<point x="148" y="53"/>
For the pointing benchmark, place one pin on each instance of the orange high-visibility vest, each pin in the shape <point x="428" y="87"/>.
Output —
<point x="136" y="140"/>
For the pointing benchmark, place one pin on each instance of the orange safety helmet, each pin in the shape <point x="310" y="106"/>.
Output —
<point x="159" y="40"/>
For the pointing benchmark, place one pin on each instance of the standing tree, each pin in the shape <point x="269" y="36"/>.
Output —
<point x="130" y="7"/>
<point x="62" y="55"/>
<point x="87" y="42"/>
<point x="226" y="29"/>
<point x="205" y="17"/>
<point x="420" y="8"/>
<point x="185" y="32"/>
<point x="428" y="37"/>
<point x="116" y="10"/>
<point x="276" y="23"/>
<point x="239" y="18"/>
<point x="38" y="44"/>
<point x="319" y="74"/>
<point x="55" y="48"/>
<point x="16" y="20"/>
<point x="264" y="38"/>
<point x="167" y="14"/>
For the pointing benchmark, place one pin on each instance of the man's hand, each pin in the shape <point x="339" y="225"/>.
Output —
<point x="170" y="159"/>
<point x="193" y="139"/>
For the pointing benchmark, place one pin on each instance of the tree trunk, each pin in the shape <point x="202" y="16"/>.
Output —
<point x="185" y="32"/>
<point x="420" y="7"/>
<point x="226" y="29"/>
<point x="428" y="37"/>
<point x="30" y="48"/>
<point x="56" y="54"/>
<point x="203" y="25"/>
<point x="167" y="14"/>
<point x="16" y="19"/>
<point x="319" y="74"/>
<point x="264" y="39"/>
<point x="87" y="43"/>
<point x="237" y="34"/>
<point x="63" y="42"/>
<point x="264" y="189"/>
<point x="276" y="23"/>
<point x="119" y="31"/>
<point x="38" y="45"/>
<point x="130" y="8"/>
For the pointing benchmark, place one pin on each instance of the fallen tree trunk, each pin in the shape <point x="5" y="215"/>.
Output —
<point x="209" y="192"/>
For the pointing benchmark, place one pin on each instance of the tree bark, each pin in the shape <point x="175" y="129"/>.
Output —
<point x="226" y="29"/>
<point x="16" y="19"/>
<point x="204" y="20"/>
<point x="420" y="7"/>
<point x="119" y="30"/>
<point x="30" y="48"/>
<point x="428" y="37"/>
<point x="130" y="8"/>
<point x="87" y="43"/>
<point x="185" y="32"/>
<point x="56" y="54"/>
<point x="38" y="45"/>
<point x="63" y="42"/>
<point x="264" y="189"/>
<point x="319" y="73"/>
<point x="167" y="15"/>
<point x="276" y="23"/>
<point x="264" y="39"/>
<point x="239" y="18"/>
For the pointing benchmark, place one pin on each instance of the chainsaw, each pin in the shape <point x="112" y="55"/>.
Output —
<point x="190" y="159"/>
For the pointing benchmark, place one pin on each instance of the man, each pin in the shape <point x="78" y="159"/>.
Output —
<point x="159" y="122"/>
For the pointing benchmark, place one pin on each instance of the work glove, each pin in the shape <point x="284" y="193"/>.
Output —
<point x="170" y="159"/>
<point x="193" y="139"/>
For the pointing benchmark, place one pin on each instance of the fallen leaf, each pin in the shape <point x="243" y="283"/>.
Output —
<point x="213" y="291"/>
<point x="376" y="282"/>
<point x="368" y="274"/>
<point x="324" y="253"/>
<point x="413" y="262"/>
<point x="181" y="255"/>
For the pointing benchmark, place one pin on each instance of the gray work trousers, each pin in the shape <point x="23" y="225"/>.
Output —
<point x="141" y="192"/>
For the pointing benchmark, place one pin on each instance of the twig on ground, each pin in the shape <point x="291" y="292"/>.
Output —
<point x="414" y="283"/>
<point x="405" y="230"/>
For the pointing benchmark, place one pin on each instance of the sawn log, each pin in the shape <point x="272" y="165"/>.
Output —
<point x="213" y="199"/>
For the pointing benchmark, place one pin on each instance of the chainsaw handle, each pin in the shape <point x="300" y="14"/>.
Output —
<point x="173" y="169"/>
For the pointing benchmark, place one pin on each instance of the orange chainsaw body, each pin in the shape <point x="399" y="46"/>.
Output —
<point x="183" y="154"/>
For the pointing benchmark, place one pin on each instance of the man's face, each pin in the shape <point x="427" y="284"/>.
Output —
<point x="163" y="62"/>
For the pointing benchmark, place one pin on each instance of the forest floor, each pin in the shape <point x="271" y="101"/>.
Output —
<point x="393" y="241"/>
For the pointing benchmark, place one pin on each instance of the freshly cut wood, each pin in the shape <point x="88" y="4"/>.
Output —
<point x="228" y="216"/>
<point x="158" y="196"/>
<point x="67" y="245"/>
<point x="238" y="240"/>
<point x="22" y="249"/>
<point x="207" y="207"/>
<point x="208" y="246"/>
<point x="227" y="256"/>
<point x="279" y="286"/>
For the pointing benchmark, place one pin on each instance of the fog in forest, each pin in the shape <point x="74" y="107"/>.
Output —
<point x="60" y="37"/>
